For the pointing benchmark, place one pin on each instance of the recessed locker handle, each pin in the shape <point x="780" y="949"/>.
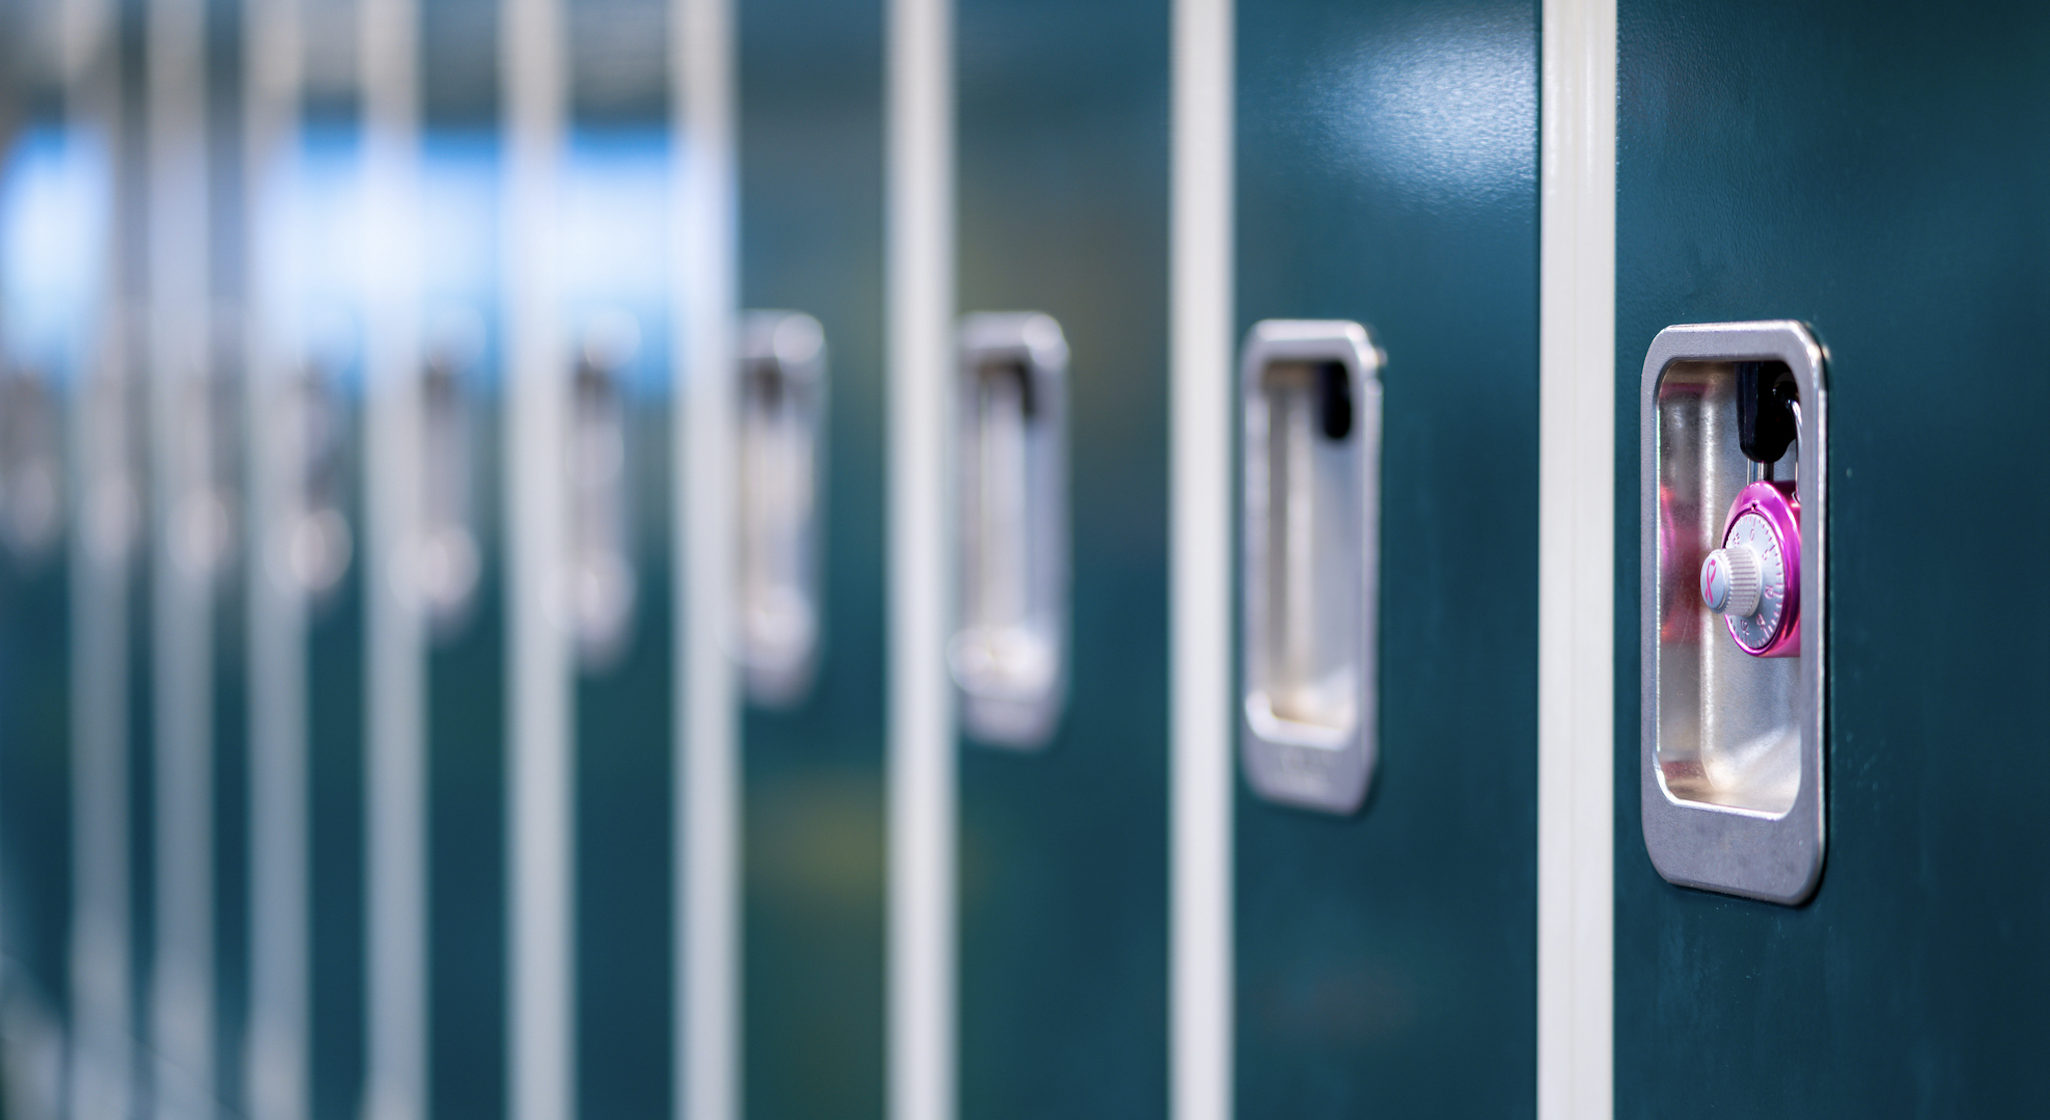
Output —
<point x="1009" y="654"/>
<point x="31" y="464"/>
<point x="1733" y="439"/>
<point x="1310" y="540"/>
<point x="316" y="543"/>
<point x="203" y="489"/>
<point x="782" y="404"/>
<point x="602" y="581"/>
<point x="448" y="561"/>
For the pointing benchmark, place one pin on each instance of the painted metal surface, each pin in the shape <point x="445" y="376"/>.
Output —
<point x="465" y="721"/>
<point x="1063" y="178"/>
<point x="811" y="240"/>
<point x="1387" y="174"/>
<point x="335" y="723"/>
<point x="615" y="296"/>
<point x="48" y="309"/>
<point x="1876" y="172"/>
<point x="36" y="761"/>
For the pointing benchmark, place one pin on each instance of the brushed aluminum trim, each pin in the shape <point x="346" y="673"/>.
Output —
<point x="1310" y="766"/>
<point x="1774" y="856"/>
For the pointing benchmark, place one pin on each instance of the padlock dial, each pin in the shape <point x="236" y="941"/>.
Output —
<point x="1732" y="580"/>
<point x="1754" y="579"/>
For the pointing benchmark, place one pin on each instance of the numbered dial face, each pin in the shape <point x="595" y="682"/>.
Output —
<point x="1756" y="630"/>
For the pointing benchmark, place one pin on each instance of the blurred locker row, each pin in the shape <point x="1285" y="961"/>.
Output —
<point x="1020" y="558"/>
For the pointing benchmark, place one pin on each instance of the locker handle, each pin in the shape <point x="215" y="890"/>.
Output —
<point x="1310" y="539"/>
<point x="781" y="449"/>
<point x="1009" y="654"/>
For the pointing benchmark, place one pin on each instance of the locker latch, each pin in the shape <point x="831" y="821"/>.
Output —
<point x="1009" y="655"/>
<point x="1734" y="519"/>
<point x="782" y="451"/>
<point x="1311" y="539"/>
<point x="603" y="586"/>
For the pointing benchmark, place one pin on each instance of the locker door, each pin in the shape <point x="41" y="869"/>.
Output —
<point x="615" y="296"/>
<point x="811" y="242"/>
<point x="322" y="375"/>
<point x="65" y="585"/>
<point x="1386" y="174"/>
<point x="46" y="314"/>
<point x="463" y="432"/>
<point x="1062" y="168"/>
<point x="1877" y="174"/>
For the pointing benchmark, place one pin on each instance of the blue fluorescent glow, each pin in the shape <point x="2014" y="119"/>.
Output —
<point x="614" y="245"/>
<point x="53" y="202"/>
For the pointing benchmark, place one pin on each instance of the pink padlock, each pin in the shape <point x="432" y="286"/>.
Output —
<point x="1754" y="579"/>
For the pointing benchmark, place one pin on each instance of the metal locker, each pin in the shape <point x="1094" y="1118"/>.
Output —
<point x="615" y="292"/>
<point x="811" y="78"/>
<point x="462" y="438"/>
<point x="54" y="316"/>
<point x="1060" y="647"/>
<point x="1387" y="177"/>
<point x="1753" y="178"/>
<point x="311" y="420"/>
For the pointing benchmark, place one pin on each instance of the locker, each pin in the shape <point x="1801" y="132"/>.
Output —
<point x="320" y="398"/>
<point x="615" y="294"/>
<point x="463" y="432"/>
<point x="811" y="243"/>
<point x="44" y="321"/>
<point x="1062" y="172"/>
<point x="72" y="567"/>
<point x="462" y="163"/>
<point x="1883" y="192"/>
<point x="1386" y="173"/>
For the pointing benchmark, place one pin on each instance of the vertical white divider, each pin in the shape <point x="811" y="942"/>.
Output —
<point x="185" y="536"/>
<point x="279" y="1062"/>
<point x="1203" y="715"/>
<point x="541" y="1070"/>
<point x="703" y="284"/>
<point x="919" y="266"/>
<point x="1576" y="561"/>
<point x="395" y="831"/>
<point x="101" y="550"/>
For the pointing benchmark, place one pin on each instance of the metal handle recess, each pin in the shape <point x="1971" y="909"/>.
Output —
<point x="1311" y="544"/>
<point x="1009" y="655"/>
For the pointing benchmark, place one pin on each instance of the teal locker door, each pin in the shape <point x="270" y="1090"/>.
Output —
<point x="461" y="173"/>
<point x="35" y="768"/>
<point x="231" y="738"/>
<point x="328" y="378"/>
<point x="334" y="705"/>
<point x="40" y="371"/>
<point x="811" y="241"/>
<point x="1063" y="171"/>
<point x="615" y="298"/>
<point x="465" y="721"/>
<point x="1879" y="173"/>
<point x="1387" y="174"/>
<point x="226" y="384"/>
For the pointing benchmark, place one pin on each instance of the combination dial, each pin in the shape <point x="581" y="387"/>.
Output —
<point x="1754" y="579"/>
